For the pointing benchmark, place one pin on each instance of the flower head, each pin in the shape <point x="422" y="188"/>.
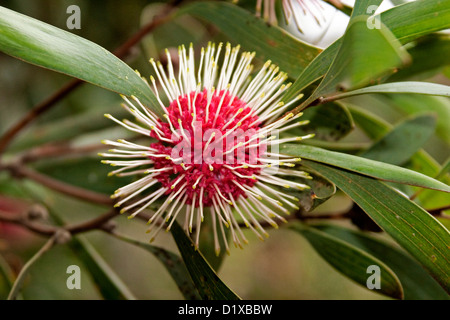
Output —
<point x="215" y="151"/>
<point x="313" y="21"/>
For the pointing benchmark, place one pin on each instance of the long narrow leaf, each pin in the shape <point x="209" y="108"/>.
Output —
<point x="375" y="169"/>
<point x="423" y="67"/>
<point x="321" y="64"/>
<point x="109" y="284"/>
<point x="421" y="161"/>
<point x="416" y="282"/>
<point x="411" y="226"/>
<point x="407" y="22"/>
<point x="206" y="280"/>
<point x="411" y="87"/>
<point x="350" y="260"/>
<point x="364" y="56"/>
<point x="417" y="18"/>
<point x="411" y="104"/>
<point x="47" y="46"/>
<point x="376" y="128"/>
<point x="173" y="264"/>
<point x="403" y="141"/>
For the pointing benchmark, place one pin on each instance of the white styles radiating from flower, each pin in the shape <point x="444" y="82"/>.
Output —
<point x="314" y="21"/>
<point x="214" y="153"/>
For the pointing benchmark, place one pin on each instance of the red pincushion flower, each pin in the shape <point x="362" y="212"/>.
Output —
<point x="215" y="149"/>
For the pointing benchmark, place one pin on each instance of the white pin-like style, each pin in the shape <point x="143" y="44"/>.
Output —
<point x="227" y="116"/>
<point x="318" y="22"/>
<point x="266" y="9"/>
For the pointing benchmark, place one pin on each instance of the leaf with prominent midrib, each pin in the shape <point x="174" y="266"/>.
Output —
<point x="421" y="161"/>
<point x="375" y="169"/>
<point x="423" y="67"/>
<point x="350" y="260"/>
<point x="47" y="46"/>
<point x="410" y="87"/>
<point x="109" y="284"/>
<point x="208" y="284"/>
<point x="173" y="264"/>
<point x="412" y="227"/>
<point x="416" y="282"/>
<point x="403" y="141"/>
<point x="414" y="104"/>
<point x="365" y="55"/>
<point x="376" y="128"/>
<point x="407" y="22"/>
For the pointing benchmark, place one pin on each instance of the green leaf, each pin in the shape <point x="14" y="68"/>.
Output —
<point x="417" y="18"/>
<point x="173" y="264"/>
<point x="408" y="224"/>
<point x="423" y="67"/>
<point x="321" y="64"/>
<point x="205" y="279"/>
<point x="330" y="122"/>
<point x="207" y="245"/>
<point x="350" y="260"/>
<point x="445" y="169"/>
<point x="373" y="126"/>
<point x="364" y="56"/>
<point x="416" y="282"/>
<point x="376" y="128"/>
<point x="47" y="46"/>
<point x="346" y="147"/>
<point x="403" y="141"/>
<point x="445" y="222"/>
<point x="403" y="21"/>
<point x="430" y="199"/>
<point x="411" y="87"/>
<point x="253" y="34"/>
<point x="314" y="71"/>
<point x="361" y="7"/>
<point x="416" y="104"/>
<point x="109" y="284"/>
<point x="375" y="169"/>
